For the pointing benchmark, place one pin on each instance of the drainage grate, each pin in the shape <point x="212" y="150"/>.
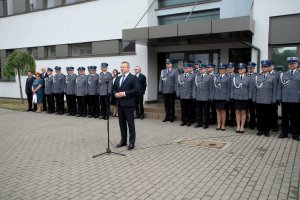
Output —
<point x="202" y="143"/>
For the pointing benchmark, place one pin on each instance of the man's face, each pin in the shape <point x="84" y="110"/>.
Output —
<point x="49" y="73"/>
<point x="124" y="68"/>
<point x="197" y="66"/>
<point x="70" y="72"/>
<point x="186" y="69"/>
<point x="137" y="70"/>
<point x="103" y="69"/>
<point x="222" y="71"/>
<point x="230" y="69"/>
<point x="242" y="71"/>
<point x="29" y="73"/>
<point x="169" y="65"/>
<point x="264" y="69"/>
<point x="250" y="69"/>
<point x="292" y="66"/>
<point x="210" y="69"/>
<point x="81" y="72"/>
<point x="43" y="69"/>
<point x="202" y="70"/>
<point x="57" y="71"/>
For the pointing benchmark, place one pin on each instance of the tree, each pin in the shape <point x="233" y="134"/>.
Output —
<point x="19" y="63"/>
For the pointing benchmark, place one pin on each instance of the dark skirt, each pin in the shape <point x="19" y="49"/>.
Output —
<point x="220" y="104"/>
<point x="113" y="100"/>
<point x="241" y="104"/>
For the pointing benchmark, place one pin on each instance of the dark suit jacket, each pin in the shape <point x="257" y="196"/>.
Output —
<point x="43" y="76"/>
<point x="28" y="85"/>
<point x="142" y="84"/>
<point x="129" y="86"/>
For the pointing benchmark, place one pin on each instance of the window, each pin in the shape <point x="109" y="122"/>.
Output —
<point x="33" y="51"/>
<point x="279" y="55"/>
<point x="53" y="3"/>
<point x="69" y="2"/>
<point x="195" y="16"/>
<point x="83" y="49"/>
<point x="171" y="3"/>
<point x="32" y="5"/>
<point x="128" y="46"/>
<point x="10" y="9"/>
<point x="2" y="8"/>
<point x="50" y="51"/>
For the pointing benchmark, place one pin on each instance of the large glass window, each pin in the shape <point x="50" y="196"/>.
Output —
<point x="171" y="3"/>
<point x="195" y="16"/>
<point x="279" y="55"/>
<point x="128" y="46"/>
<point x="33" y="51"/>
<point x="50" y="51"/>
<point x="83" y="49"/>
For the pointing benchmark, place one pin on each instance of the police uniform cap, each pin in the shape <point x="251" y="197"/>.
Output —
<point x="203" y="65"/>
<point x="231" y="65"/>
<point x="168" y="61"/>
<point x="81" y="68"/>
<point x="49" y="69"/>
<point x="222" y="66"/>
<point x="241" y="65"/>
<point x="57" y="68"/>
<point x="292" y="60"/>
<point x="104" y="65"/>
<point x="251" y="64"/>
<point x="211" y="65"/>
<point x="265" y="63"/>
<point x="185" y="65"/>
<point x="197" y="62"/>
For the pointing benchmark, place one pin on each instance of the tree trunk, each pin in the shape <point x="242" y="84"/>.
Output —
<point x="20" y="86"/>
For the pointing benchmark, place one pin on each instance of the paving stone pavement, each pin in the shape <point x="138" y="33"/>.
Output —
<point x="46" y="156"/>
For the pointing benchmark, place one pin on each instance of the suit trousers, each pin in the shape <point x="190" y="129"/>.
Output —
<point x="290" y="118"/>
<point x="186" y="110"/>
<point x="263" y="114"/>
<point x="71" y="104"/>
<point x="169" y="102"/>
<point x="50" y="103"/>
<point x="105" y="105"/>
<point x="213" y="113"/>
<point x="29" y="100"/>
<point x="59" y="101"/>
<point x="139" y="105"/>
<point x="82" y="106"/>
<point x="44" y="103"/>
<point x="274" y="116"/>
<point x="202" y="112"/>
<point x="93" y="103"/>
<point x="252" y="114"/>
<point x="126" y="118"/>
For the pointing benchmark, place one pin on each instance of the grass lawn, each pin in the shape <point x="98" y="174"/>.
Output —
<point x="13" y="104"/>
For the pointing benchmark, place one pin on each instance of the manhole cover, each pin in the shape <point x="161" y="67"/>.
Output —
<point x="202" y="143"/>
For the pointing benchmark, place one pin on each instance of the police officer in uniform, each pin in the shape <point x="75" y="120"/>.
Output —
<point x="252" y="113"/>
<point x="230" y="111"/>
<point x="289" y="94"/>
<point x="197" y="64"/>
<point x="213" y="113"/>
<point x="184" y="92"/>
<point x="70" y="91"/>
<point x="168" y="87"/>
<point x="241" y="94"/>
<point x="221" y="94"/>
<point x="202" y="91"/>
<point x="92" y="92"/>
<point x="59" y="81"/>
<point x="105" y="90"/>
<point x="49" y="91"/>
<point x="81" y="88"/>
<point x="265" y="88"/>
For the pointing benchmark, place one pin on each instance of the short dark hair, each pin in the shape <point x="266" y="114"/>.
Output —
<point x="125" y="62"/>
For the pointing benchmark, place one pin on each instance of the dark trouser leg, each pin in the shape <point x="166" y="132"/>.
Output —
<point x="57" y="106"/>
<point x="44" y="103"/>
<point x="73" y="103"/>
<point x="50" y="101"/>
<point x="96" y="106"/>
<point x="294" y="113"/>
<point x="205" y="108"/>
<point x="62" y="103"/>
<point x="232" y="114"/>
<point x="69" y="103"/>
<point x="167" y="105"/>
<point x="122" y="124"/>
<point x="267" y="109"/>
<point x="102" y="105"/>
<point x="285" y="118"/>
<point x="213" y="113"/>
<point x="190" y="111"/>
<point x="252" y="115"/>
<point x="274" y="121"/>
<point x="80" y="105"/>
<point x="184" y="111"/>
<point x="106" y="103"/>
<point x="137" y="107"/>
<point x="172" y="106"/>
<point x="129" y="112"/>
<point x="199" y="111"/>
<point x="260" y="119"/>
<point x="29" y="100"/>
<point x="89" y="104"/>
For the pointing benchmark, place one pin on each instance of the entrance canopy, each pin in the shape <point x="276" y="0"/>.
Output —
<point x="200" y="32"/>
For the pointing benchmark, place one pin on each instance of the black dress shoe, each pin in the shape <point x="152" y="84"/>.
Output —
<point x="165" y="120"/>
<point x="282" y="135"/>
<point x="136" y="117"/>
<point x="69" y="114"/>
<point x="296" y="137"/>
<point x="96" y="116"/>
<point x="275" y="130"/>
<point x="267" y="134"/>
<point x="121" y="145"/>
<point x="105" y="117"/>
<point x="189" y="124"/>
<point x="84" y="115"/>
<point x="205" y="126"/>
<point x="142" y="117"/>
<point x="90" y="116"/>
<point x="183" y="124"/>
<point x="130" y="147"/>
<point x="78" y="115"/>
<point x="172" y="120"/>
<point x="198" y="125"/>
<point x="259" y="133"/>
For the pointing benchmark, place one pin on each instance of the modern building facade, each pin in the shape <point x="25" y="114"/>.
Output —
<point x="145" y="32"/>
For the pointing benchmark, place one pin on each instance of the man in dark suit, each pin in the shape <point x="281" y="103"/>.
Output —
<point x="125" y="89"/>
<point x="139" y="98"/>
<point x="43" y="76"/>
<point x="28" y="86"/>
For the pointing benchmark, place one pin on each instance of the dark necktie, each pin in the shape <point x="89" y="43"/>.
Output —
<point x="201" y="75"/>
<point x="185" y="75"/>
<point x="122" y="80"/>
<point x="241" y="77"/>
<point x="292" y="72"/>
